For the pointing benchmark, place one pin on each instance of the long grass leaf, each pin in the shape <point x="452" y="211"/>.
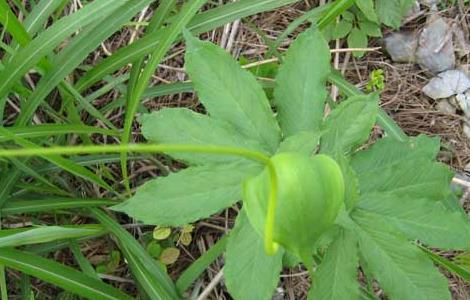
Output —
<point x="159" y="284"/>
<point x="37" y="235"/>
<point x="65" y="277"/>
<point x="27" y="57"/>
<point x="200" y="265"/>
<point x="45" y="130"/>
<point x="200" y="23"/>
<point x="15" y="207"/>
<point x="74" y="53"/>
<point x="134" y="97"/>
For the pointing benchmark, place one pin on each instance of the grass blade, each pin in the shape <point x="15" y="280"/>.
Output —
<point x="447" y="264"/>
<point x="37" y="235"/>
<point x="63" y="163"/>
<point x="84" y="264"/>
<point x="27" y="57"/>
<point x="200" y="23"/>
<point x="157" y="283"/>
<point x="45" y="130"/>
<point x="65" y="277"/>
<point x="135" y="92"/>
<point x="15" y="207"/>
<point x="75" y="52"/>
<point x="200" y="265"/>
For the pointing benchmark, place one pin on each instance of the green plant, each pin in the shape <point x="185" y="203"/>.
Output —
<point x="239" y="141"/>
<point x="395" y="192"/>
<point x="376" y="81"/>
<point x="364" y="19"/>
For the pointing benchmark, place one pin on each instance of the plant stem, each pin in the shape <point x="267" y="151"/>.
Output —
<point x="270" y="246"/>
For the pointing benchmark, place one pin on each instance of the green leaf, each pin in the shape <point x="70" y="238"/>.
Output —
<point x="48" y="234"/>
<point x="65" y="277"/>
<point x="349" y="124"/>
<point x="336" y="276"/>
<point x="351" y="182"/>
<point x="388" y="151"/>
<point x="188" y="195"/>
<point x="249" y="272"/>
<point x="183" y="126"/>
<point x="301" y="142"/>
<point x="402" y="270"/>
<point x="357" y="39"/>
<point x="419" y="178"/>
<point x="391" y="12"/>
<point x="300" y="88"/>
<point x="341" y="29"/>
<point x="230" y="93"/>
<point x="370" y="28"/>
<point x="428" y="221"/>
<point x="367" y="7"/>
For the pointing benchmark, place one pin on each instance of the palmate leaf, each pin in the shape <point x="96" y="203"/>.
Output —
<point x="402" y="270"/>
<point x="249" y="272"/>
<point x="188" y="195"/>
<point x="349" y="125"/>
<point x="388" y="151"/>
<point x="336" y="276"/>
<point x="230" y="93"/>
<point x="301" y="84"/>
<point x="183" y="126"/>
<point x="403" y="168"/>
<point x="428" y="221"/>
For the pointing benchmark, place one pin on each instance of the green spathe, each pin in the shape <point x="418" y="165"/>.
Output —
<point x="309" y="197"/>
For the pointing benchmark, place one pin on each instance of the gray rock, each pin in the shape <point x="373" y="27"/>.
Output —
<point x="464" y="102"/>
<point x="401" y="46"/>
<point x="435" y="47"/>
<point x="466" y="130"/>
<point x="447" y="84"/>
<point x="445" y="107"/>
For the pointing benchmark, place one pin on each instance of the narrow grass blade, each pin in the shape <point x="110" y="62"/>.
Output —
<point x="200" y="265"/>
<point x="447" y="264"/>
<point x="75" y="52"/>
<point x="84" y="264"/>
<point x="37" y="235"/>
<point x="27" y="57"/>
<point x="12" y="25"/>
<point x="200" y="23"/>
<point x="334" y="11"/>
<point x="39" y="15"/>
<point x="15" y="207"/>
<point x="45" y="130"/>
<point x="135" y="92"/>
<point x="158" y="285"/>
<point x="63" y="163"/>
<point x="65" y="277"/>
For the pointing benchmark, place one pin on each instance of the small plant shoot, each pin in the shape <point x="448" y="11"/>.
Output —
<point x="320" y="196"/>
